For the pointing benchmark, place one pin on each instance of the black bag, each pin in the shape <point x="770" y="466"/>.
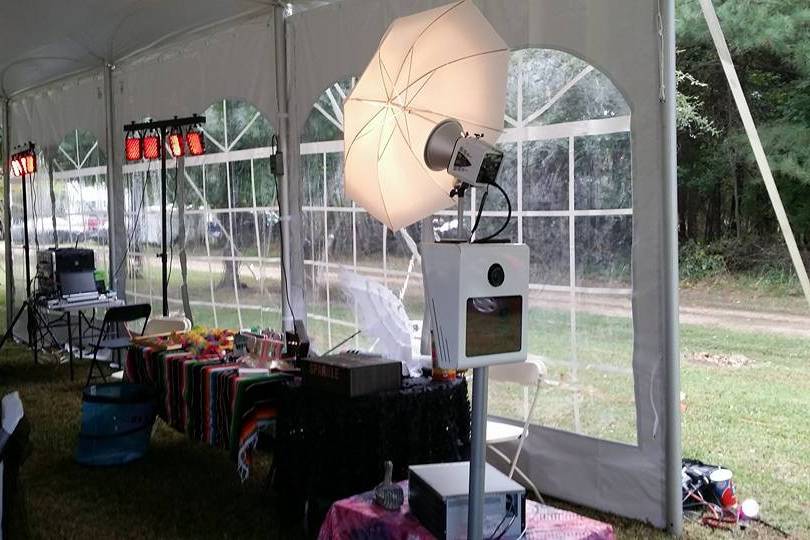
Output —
<point x="695" y="482"/>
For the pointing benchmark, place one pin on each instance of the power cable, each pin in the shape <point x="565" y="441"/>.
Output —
<point x="286" y="284"/>
<point x="505" y="223"/>
<point x="134" y="224"/>
<point x="171" y="228"/>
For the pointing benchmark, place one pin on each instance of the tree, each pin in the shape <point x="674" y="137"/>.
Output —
<point x="720" y="190"/>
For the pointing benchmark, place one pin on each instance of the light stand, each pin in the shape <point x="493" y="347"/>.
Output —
<point x="26" y="305"/>
<point x="163" y="127"/>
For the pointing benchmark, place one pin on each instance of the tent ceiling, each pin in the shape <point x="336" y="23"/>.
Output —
<point x="43" y="40"/>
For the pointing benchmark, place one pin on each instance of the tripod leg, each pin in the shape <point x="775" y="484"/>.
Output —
<point x="70" y="344"/>
<point x="10" y="329"/>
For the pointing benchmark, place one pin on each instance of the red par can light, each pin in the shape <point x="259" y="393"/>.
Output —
<point x="175" y="141"/>
<point x="151" y="146"/>
<point x="133" y="148"/>
<point x="29" y="162"/>
<point x="16" y="166"/>
<point x="195" y="142"/>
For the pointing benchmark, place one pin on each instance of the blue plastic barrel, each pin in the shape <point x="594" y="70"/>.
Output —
<point x="117" y="421"/>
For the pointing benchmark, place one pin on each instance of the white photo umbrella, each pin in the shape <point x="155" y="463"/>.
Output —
<point x="444" y="63"/>
<point x="381" y="315"/>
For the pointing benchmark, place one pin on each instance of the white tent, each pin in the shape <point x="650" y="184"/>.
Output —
<point x="589" y="130"/>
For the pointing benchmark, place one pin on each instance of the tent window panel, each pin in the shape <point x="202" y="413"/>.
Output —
<point x="242" y="184"/>
<point x="397" y="253"/>
<point x="339" y="238"/>
<point x="403" y="275"/>
<point x="314" y="238"/>
<point x="602" y="172"/>
<point x="197" y="224"/>
<point x="587" y="95"/>
<point x="214" y="128"/>
<point x="541" y="76"/>
<point x="325" y="120"/>
<point x="570" y="126"/>
<point x="247" y="127"/>
<point x="79" y="211"/>
<point x="334" y="181"/>
<point x="268" y="223"/>
<point x="507" y="179"/>
<point x="491" y="224"/>
<point x="545" y="175"/>
<point x="312" y="167"/>
<point x="217" y="192"/>
<point x="264" y="184"/>
<point x="603" y="251"/>
<point x="548" y="241"/>
<point x="194" y="180"/>
<point x="368" y="241"/>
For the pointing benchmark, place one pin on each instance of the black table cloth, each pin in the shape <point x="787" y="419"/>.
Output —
<point x="330" y="447"/>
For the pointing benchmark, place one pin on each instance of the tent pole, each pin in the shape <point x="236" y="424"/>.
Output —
<point x="112" y="182"/>
<point x="672" y="383"/>
<point x="4" y="118"/>
<point x="280" y="36"/>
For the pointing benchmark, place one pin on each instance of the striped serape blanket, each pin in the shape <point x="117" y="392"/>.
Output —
<point x="206" y="398"/>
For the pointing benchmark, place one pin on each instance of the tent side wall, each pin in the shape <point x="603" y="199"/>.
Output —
<point x="622" y="40"/>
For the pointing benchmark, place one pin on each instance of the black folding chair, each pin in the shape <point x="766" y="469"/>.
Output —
<point x="111" y="336"/>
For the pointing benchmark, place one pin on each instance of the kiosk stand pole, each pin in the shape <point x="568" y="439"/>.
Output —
<point x="478" y="454"/>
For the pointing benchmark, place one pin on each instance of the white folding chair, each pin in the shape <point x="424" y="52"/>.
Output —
<point x="166" y="325"/>
<point x="158" y="326"/>
<point x="530" y="376"/>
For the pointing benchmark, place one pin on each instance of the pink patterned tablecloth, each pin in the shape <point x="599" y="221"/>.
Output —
<point x="358" y="518"/>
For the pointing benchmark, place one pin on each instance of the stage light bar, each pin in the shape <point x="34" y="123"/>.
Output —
<point x="133" y="148"/>
<point x="151" y="146"/>
<point x="175" y="141"/>
<point x="195" y="142"/>
<point x="24" y="162"/>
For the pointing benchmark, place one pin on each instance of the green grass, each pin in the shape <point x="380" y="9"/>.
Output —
<point x="752" y="419"/>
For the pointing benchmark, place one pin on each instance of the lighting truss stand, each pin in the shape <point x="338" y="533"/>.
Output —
<point x="163" y="127"/>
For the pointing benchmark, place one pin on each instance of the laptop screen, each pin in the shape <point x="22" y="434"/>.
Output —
<point x="77" y="282"/>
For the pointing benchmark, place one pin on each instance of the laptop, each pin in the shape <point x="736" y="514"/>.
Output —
<point x="78" y="285"/>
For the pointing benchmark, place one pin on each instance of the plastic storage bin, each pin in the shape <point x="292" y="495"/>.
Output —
<point x="117" y="423"/>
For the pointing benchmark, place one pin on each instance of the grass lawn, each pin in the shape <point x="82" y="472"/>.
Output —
<point x="752" y="419"/>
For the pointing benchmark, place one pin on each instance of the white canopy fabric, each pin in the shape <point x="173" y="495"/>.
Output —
<point x="41" y="40"/>
<point x="175" y="57"/>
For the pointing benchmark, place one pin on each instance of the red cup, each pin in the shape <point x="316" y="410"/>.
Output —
<point x="723" y="487"/>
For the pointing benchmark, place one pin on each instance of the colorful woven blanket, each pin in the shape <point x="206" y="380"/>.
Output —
<point x="206" y="398"/>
